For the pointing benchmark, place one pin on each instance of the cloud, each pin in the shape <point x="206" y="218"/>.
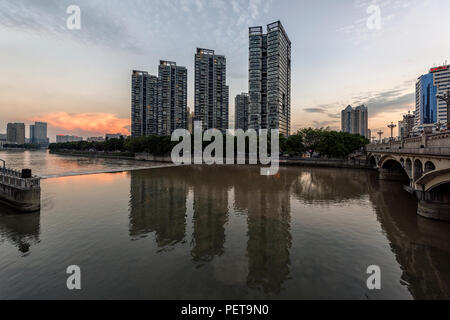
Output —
<point x="315" y="110"/>
<point x="99" y="24"/>
<point x="390" y="100"/>
<point x="85" y="124"/>
<point x="332" y="124"/>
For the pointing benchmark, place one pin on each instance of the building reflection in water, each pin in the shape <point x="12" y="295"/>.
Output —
<point x="210" y="214"/>
<point x="21" y="230"/>
<point x="158" y="204"/>
<point x="421" y="246"/>
<point x="267" y="202"/>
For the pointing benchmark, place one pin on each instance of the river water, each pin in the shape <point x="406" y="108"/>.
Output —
<point x="218" y="233"/>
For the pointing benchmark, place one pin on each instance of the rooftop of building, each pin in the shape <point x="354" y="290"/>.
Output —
<point x="274" y="26"/>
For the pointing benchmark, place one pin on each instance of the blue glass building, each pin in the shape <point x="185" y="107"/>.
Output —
<point x="428" y="100"/>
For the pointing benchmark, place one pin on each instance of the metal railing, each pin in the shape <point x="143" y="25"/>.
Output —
<point x="13" y="178"/>
<point x="435" y="151"/>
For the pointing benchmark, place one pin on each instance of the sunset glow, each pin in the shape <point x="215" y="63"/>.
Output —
<point x="86" y="124"/>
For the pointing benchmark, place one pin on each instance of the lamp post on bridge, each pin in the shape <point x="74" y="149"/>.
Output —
<point x="446" y="98"/>
<point x="380" y="133"/>
<point x="392" y="126"/>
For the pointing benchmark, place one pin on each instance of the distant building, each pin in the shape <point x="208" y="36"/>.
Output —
<point x="429" y="109"/>
<point x="3" y="137"/>
<point x="190" y="121"/>
<point x="211" y="90"/>
<point x="110" y="136"/>
<point x="159" y="104"/>
<point x="355" y="121"/>
<point x="406" y="126"/>
<point x="172" y="106"/>
<point x="38" y="134"/>
<point x="15" y="133"/>
<point x="95" y="139"/>
<point x="144" y="104"/>
<point x="241" y="104"/>
<point x="64" y="138"/>
<point x="270" y="79"/>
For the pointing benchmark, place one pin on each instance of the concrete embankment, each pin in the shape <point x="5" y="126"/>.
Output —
<point x="93" y="154"/>
<point x="330" y="163"/>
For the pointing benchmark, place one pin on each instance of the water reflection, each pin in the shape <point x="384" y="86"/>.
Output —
<point x="331" y="185"/>
<point x="421" y="246"/>
<point x="21" y="230"/>
<point x="159" y="204"/>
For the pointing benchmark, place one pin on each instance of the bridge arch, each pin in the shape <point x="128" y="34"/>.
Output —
<point x="418" y="169"/>
<point x="429" y="166"/>
<point x="437" y="180"/>
<point x="393" y="168"/>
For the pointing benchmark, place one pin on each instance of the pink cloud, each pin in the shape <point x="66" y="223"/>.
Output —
<point x="94" y="124"/>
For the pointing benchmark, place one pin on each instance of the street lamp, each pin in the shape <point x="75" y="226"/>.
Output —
<point x="380" y="133"/>
<point x="392" y="126"/>
<point x="446" y="98"/>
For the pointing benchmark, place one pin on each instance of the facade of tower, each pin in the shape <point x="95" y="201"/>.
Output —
<point x="15" y="133"/>
<point x="142" y="102"/>
<point x="270" y="78"/>
<point x="211" y="90"/>
<point x="172" y="113"/>
<point x="355" y="121"/>
<point x="38" y="134"/>
<point x="241" y="111"/>
<point x="429" y="109"/>
<point x="405" y="126"/>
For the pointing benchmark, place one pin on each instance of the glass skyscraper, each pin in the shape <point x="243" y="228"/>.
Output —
<point x="430" y="110"/>
<point x="270" y="79"/>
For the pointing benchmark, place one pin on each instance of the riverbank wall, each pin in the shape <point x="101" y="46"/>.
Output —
<point x="90" y="154"/>
<point x="328" y="163"/>
<point x="312" y="162"/>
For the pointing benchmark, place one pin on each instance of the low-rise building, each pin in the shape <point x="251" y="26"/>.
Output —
<point x="110" y="136"/>
<point x="65" y="138"/>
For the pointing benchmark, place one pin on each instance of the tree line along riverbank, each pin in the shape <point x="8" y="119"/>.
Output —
<point x="322" y="143"/>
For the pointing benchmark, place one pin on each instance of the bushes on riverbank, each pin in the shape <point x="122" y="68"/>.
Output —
<point x="27" y="146"/>
<point x="324" y="142"/>
<point x="155" y="145"/>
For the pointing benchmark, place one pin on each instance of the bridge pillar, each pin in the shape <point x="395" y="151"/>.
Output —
<point x="434" y="204"/>
<point x="436" y="211"/>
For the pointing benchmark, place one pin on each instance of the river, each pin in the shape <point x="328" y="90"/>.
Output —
<point x="210" y="232"/>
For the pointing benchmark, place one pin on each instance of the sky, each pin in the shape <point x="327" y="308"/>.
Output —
<point x="79" y="80"/>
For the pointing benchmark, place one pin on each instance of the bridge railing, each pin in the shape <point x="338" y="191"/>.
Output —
<point x="439" y="151"/>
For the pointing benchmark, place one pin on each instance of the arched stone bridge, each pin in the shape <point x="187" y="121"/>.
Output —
<point x="424" y="164"/>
